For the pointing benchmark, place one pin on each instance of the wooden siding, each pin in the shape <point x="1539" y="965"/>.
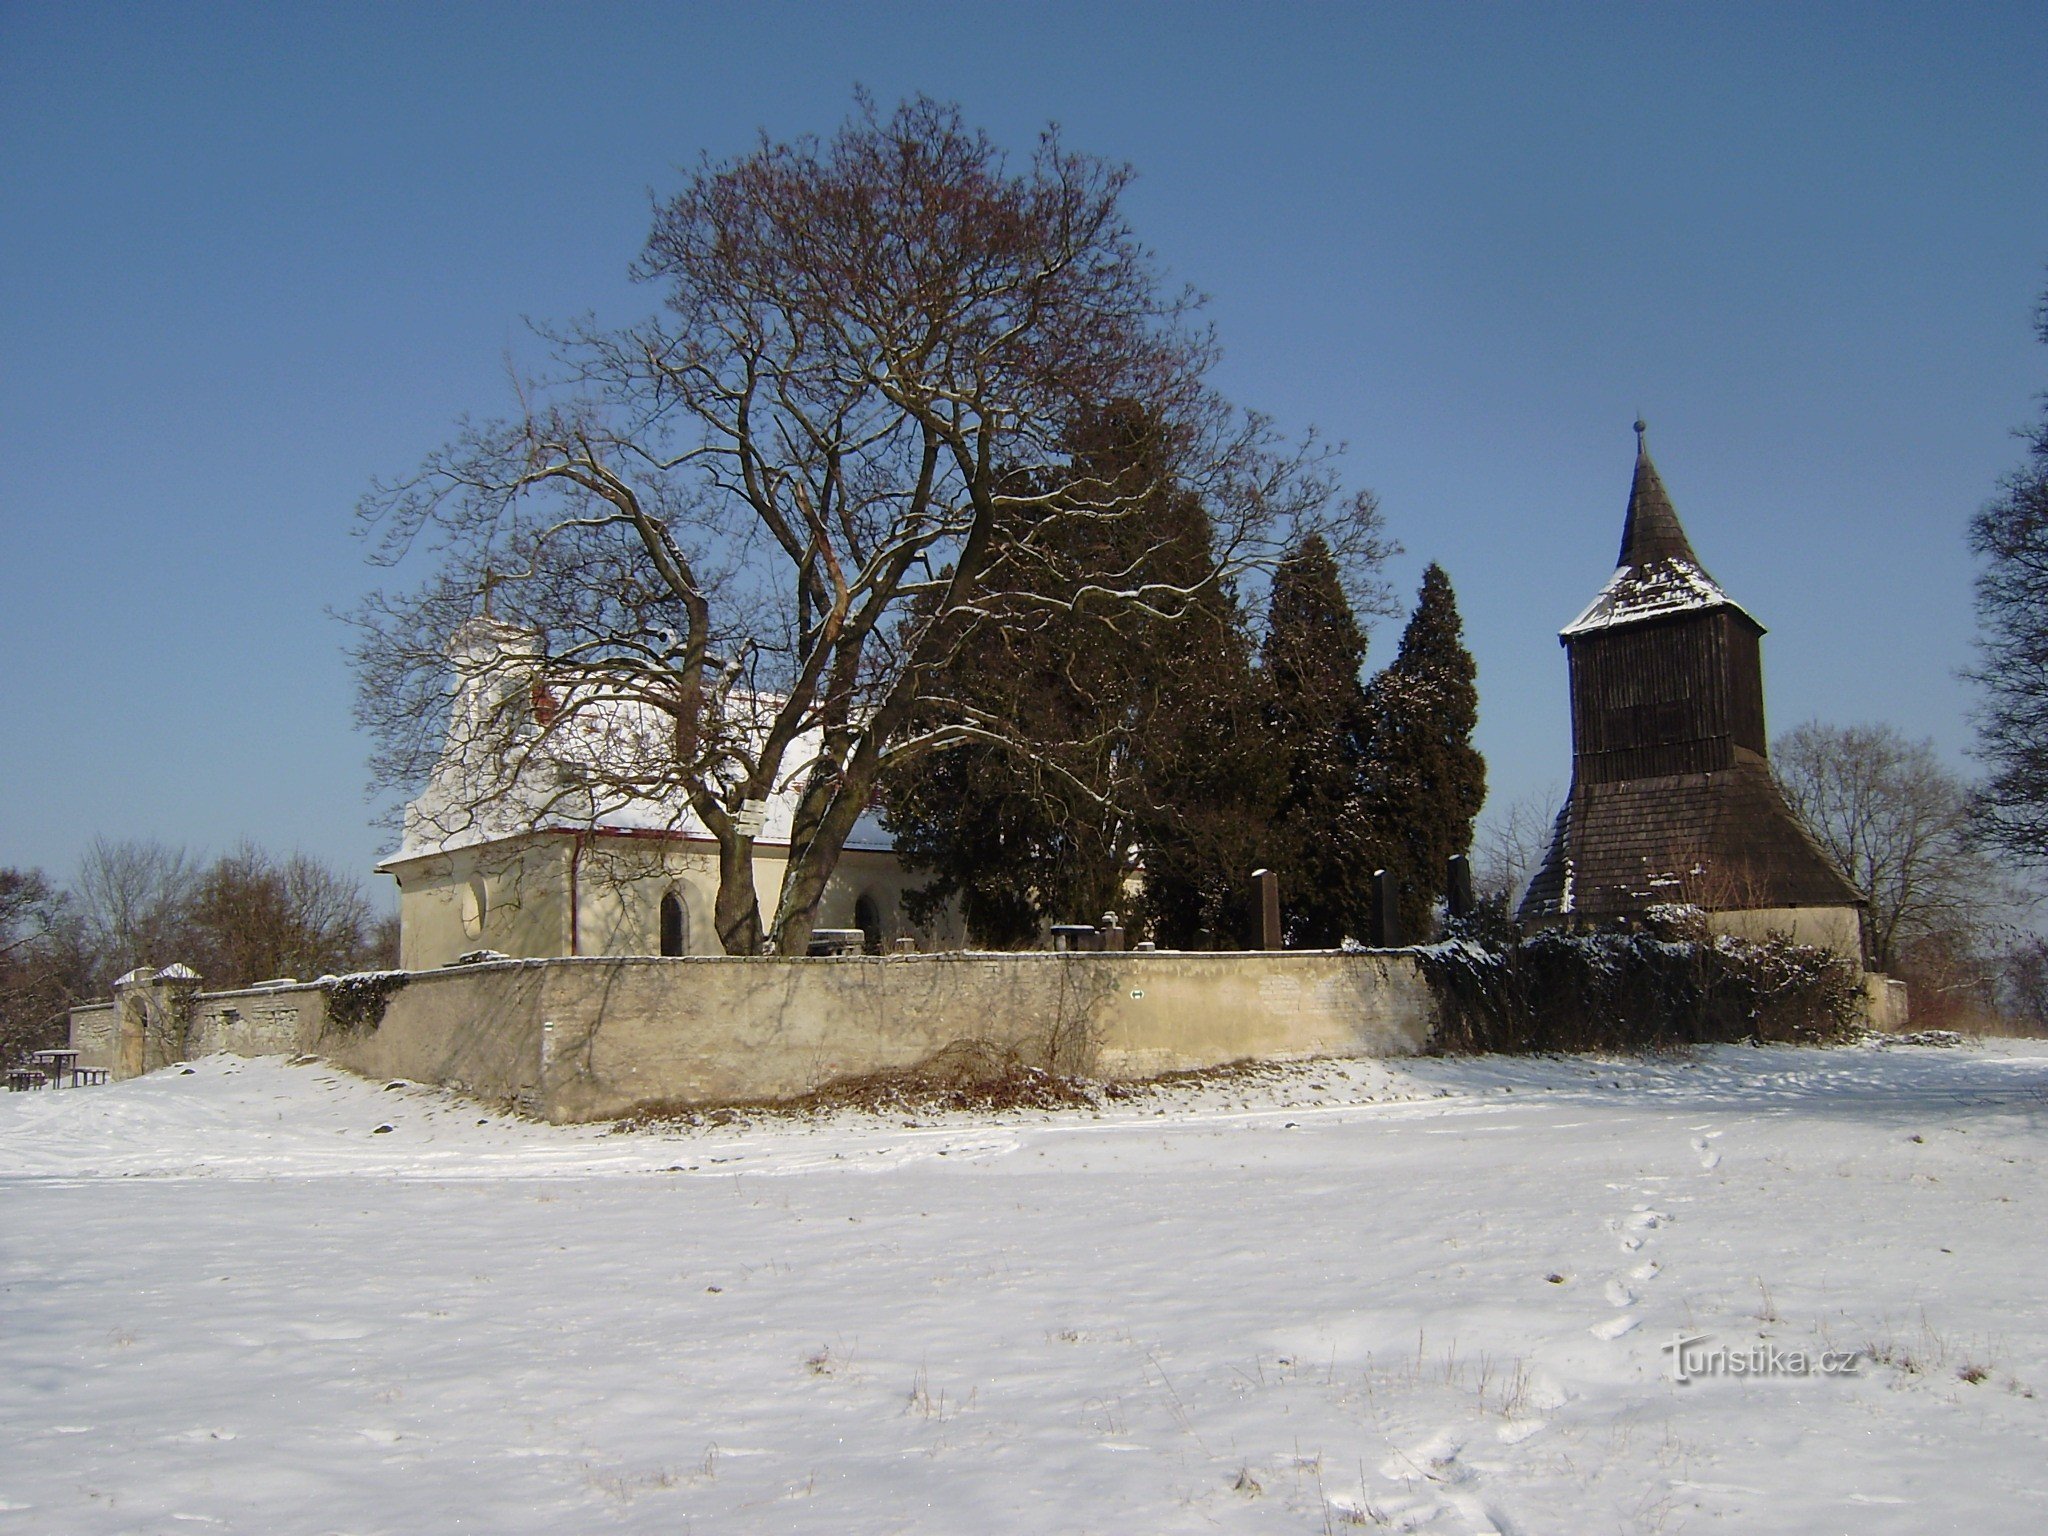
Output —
<point x="1671" y="696"/>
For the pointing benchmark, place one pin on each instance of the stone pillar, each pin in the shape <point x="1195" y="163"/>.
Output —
<point x="153" y="1015"/>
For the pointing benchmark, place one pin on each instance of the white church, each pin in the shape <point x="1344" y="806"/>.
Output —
<point x="498" y="855"/>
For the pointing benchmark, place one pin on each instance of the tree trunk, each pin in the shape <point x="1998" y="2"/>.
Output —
<point x="738" y="910"/>
<point x="809" y="871"/>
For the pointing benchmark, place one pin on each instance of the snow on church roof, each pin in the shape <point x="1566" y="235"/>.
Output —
<point x="504" y="774"/>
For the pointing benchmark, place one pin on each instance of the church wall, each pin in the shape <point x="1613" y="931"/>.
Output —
<point x="522" y="888"/>
<point x="509" y="896"/>
<point x="620" y="882"/>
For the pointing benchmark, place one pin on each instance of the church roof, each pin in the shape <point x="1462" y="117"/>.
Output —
<point x="1720" y="840"/>
<point x="598" y="762"/>
<point x="1658" y="574"/>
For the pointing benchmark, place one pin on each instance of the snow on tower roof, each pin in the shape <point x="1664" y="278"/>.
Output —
<point x="1658" y="574"/>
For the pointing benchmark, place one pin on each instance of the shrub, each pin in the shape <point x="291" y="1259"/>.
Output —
<point x="356" y="1004"/>
<point x="1634" y="990"/>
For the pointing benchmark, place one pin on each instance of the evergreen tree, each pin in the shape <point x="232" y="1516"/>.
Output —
<point x="1427" y="781"/>
<point x="1130" y="709"/>
<point x="1316" y="708"/>
<point x="1211" y="778"/>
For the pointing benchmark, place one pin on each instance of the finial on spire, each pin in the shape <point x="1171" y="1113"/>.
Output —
<point x="1642" y="427"/>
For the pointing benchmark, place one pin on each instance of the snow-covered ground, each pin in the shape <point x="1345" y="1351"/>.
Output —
<point x="1428" y="1294"/>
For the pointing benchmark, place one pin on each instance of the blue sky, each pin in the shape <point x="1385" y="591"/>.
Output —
<point x="252" y="257"/>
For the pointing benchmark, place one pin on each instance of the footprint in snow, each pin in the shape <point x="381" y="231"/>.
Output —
<point x="1614" y="1327"/>
<point x="1619" y="1295"/>
<point x="1435" y="1459"/>
<point x="1480" y="1519"/>
<point x="1710" y="1157"/>
<point x="1649" y="1269"/>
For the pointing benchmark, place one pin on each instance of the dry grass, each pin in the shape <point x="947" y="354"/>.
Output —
<point x="967" y="1075"/>
<point x="1230" y="1074"/>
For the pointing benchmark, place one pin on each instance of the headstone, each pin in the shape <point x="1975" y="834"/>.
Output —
<point x="1268" y="884"/>
<point x="1458" y="886"/>
<point x="1386" y="912"/>
<point x="837" y="941"/>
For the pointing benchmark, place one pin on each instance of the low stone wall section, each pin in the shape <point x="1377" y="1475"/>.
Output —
<point x="95" y="1035"/>
<point x="623" y="1033"/>
<point x="587" y="1039"/>
<point x="262" y="1021"/>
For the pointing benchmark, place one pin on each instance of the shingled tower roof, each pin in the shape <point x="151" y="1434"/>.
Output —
<point x="1651" y="530"/>
<point x="1672" y="798"/>
<point x="1658" y="574"/>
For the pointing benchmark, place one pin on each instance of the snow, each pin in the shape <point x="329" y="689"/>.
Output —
<point x="263" y="1297"/>
<point x="1637" y="592"/>
<point x="500" y="774"/>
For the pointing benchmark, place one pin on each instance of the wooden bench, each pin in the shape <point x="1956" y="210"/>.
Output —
<point x="23" y="1079"/>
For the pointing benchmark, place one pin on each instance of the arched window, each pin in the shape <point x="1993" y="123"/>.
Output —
<point x="476" y="906"/>
<point x="867" y="917"/>
<point x="675" y="925"/>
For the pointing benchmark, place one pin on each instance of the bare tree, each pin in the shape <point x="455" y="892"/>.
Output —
<point x="254" y="917"/>
<point x="247" y="916"/>
<point x="2010" y="534"/>
<point x="1900" y="826"/>
<point x="134" y="900"/>
<point x="1509" y="843"/>
<point x="743" y="540"/>
<point x="42" y="967"/>
<point x="29" y="908"/>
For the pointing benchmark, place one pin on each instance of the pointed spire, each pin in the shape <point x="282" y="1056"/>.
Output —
<point x="1658" y="574"/>
<point x="1651" y="531"/>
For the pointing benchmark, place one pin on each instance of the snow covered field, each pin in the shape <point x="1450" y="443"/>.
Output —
<point x="1352" y="1295"/>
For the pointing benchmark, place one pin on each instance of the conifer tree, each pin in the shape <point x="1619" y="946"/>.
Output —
<point x="1316" y="707"/>
<point x="1139" y="754"/>
<point x="1426" y="779"/>
<point x="1211" y="779"/>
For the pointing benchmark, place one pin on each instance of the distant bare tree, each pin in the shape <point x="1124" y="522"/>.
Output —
<point x="254" y="917"/>
<point x="1509" y="843"/>
<point x="42" y="967"/>
<point x="762" y="524"/>
<point x="29" y="908"/>
<point x="1900" y="826"/>
<point x="247" y="916"/>
<point x="134" y="899"/>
